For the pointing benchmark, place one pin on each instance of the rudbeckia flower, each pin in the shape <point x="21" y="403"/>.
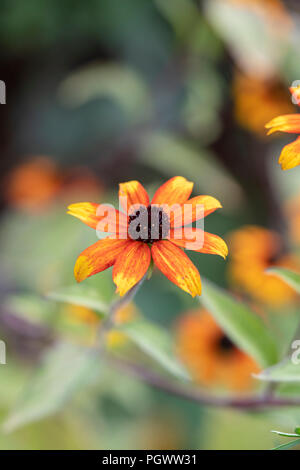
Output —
<point x="249" y="92"/>
<point x="290" y="123"/>
<point x="131" y="246"/>
<point x="254" y="250"/>
<point x="210" y="355"/>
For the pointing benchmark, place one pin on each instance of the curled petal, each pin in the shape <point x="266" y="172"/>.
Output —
<point x="198" y="240"/>
<point x="132" y="193"/>
<point x="290" y="155"/>
<point x="193" y="209"/>
<point x="286" y="123"/>
<point x="131" y="266"/>
<point x="98" y="257"/>
<point x="99" y="216"/>
<point x="176" y="266"/>
<point x="176" y="190"/>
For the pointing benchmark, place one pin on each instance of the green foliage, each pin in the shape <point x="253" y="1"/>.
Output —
<point x="242" y="325"/>
<point x="81" y="295"/>
<point x="65" y="369"/>
<point x="285" y="371"/>
<point x="156" y="342"/>
<point x="290" y="444"/>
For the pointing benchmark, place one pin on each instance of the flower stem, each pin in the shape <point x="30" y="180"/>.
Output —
<point x="157" y="381"/>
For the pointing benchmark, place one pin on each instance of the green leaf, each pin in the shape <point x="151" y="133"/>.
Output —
<point x="288" y="445"/>
<point x="297" y="431"/>
<point x="156" y="342"/>
<point x="97" y="80"/>
<point x="284" y="371"/>
<point x="242" y="325"/>
<point x="64" y="370"/>
<point x="286" y="434"/>
<point x="290" y="277"/>
<point x="199" y="165"/>
<point x="80" y="295"/>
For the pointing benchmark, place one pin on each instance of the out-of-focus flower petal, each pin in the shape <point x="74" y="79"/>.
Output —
<point x="176" y="190"/>
<point x="290" y="155"/>
<point x="131" y="265"/>
<point x="176" y="266"/>
<point x="198" y="240"/>
<point x="287" y="123"/>
<point x="295" y="91"/>
<point x="193" y="209"/>
<point x="135" y="193"/>
<point x="98" y="257"/>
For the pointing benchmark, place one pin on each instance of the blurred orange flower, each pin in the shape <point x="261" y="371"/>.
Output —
<point x="210" y="355"/>
<point x="38" y="182"/>
<point x="33" y="184"/>
<point x="131" y="257"/>
<point x="254" y="249"/>
<point x="290" y="123"/>
<point x="249" y="93"/>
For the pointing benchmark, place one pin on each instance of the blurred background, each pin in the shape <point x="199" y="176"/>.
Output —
<point x="107" y="91"/>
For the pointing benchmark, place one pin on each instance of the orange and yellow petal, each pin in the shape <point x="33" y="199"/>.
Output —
<point x="86" y="212"/>
<point x="131" y="265"/>
<point x="99" y="216"/>
<point x="98" y="257"/>
<point x="176" y="190"/>
<point x="112" y="220"/>
<point x="286" y="123"/>
<point x="176" y="266"/>
<point x="193" y="209"/>
<point x="135" y="194"/>
<point x="197" y="240"/>
<point x="290" y="155"/>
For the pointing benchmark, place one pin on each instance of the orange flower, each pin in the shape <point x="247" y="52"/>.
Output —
<point x="33" y="184"/>
<point x="290" y="123"/>
<point x="249" y="92"/>
<point x="131" y="246"/>
<point x="210" y="355"/>
<point x="254" y="249"/>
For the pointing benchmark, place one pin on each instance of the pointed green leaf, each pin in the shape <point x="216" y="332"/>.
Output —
<point x="285" y="434"/>
<point x="285" y="371"/>
<point x="290" y="277"/>
<point x="80" y="295"/>
<point x="288" y="445"/>
<point x="242" y="325"/>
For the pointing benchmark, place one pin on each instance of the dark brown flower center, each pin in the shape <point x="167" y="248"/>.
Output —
<point x="148" y="224"/>
<point x="225" y="345"/>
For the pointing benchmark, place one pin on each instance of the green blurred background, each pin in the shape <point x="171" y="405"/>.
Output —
<point x="107" y="91"/>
